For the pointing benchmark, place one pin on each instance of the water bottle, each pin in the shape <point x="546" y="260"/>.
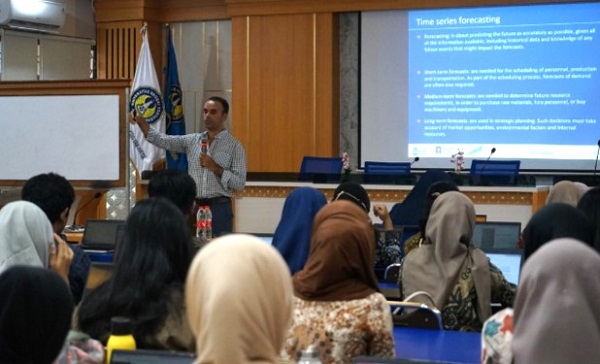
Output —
<point x="310" y="356"/>
<point x="200" y="221"/>
<point x="121" y="336"/>
<point x="208" y="218"/>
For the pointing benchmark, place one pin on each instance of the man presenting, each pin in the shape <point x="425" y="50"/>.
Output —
<point x="217" y="172"/>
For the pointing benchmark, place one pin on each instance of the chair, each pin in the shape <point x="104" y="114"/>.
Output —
<point x="321" y="169"/>
<point x="494" y="173"/>
<point x="391" y="272"/>
<point x="387" y="172"/>
<point x="414" y="314"/>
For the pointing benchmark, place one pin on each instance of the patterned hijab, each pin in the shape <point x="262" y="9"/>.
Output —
<point x="566" y="192"/>
<point x="556" y="220"/>
<point x="557" y="308"/>
<point x="35" y="315"/>
<point x="25" y="235"/>
<point x="239" y="301"/>
<point x="435" y="267"/>
<point x="292" y="236"/>
<point x="340" y="265"/>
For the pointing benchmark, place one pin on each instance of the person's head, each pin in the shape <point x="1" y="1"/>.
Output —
<point x="292" y="235"/>
<point x="176" y="186"/>
<point x="553" y="221"/>
<point x="557" y="307"/>
<point x="216" y="110"/>
<point x="354" y="192"/>
<point x="25" y="235"/>
<point x="451" y="220"/>
<point x="435" y="190"/>
<point x="35" y="315"/>
<point x="565" y="192"/>
<point x="53" y="194"/>
<point x="590" y="205"/>
<point x="239" y="301"/>
<point x="341" y="261"/>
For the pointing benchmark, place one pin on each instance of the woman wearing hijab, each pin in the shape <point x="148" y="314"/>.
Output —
<point x="459" y="278"/>
<point x="35" y="315"/>
<point x="566" y="192"/>
<point x="292" y="236"/>
<point x="26" y="238"/>
<point x="147" y="282"/>
<point x="239" y="298"/>
<point x="557" y="309"/>
<point x="337" y="305"/>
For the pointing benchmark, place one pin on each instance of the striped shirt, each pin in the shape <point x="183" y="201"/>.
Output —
<point x="225" y="150"/>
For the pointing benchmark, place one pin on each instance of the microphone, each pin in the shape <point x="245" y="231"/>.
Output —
<point x="204" y="143"/>
<point x="96" y="195"/>
<point x="596" y="164"/>
<point x="487" y="160"/>
<point x="417" y="159"/>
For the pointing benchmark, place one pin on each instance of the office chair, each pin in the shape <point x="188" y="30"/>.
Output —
<point x="386" y="172"/>
<point x="321" y="169"/>
<point x="494" y="173"/>
<point x="415" y="314"/>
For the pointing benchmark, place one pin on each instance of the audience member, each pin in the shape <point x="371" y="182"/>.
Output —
<point x="459" y="277"/>
<point x="146" y="285"/>
<point x="590" y="205"/>
<point x="412" y="209"/>
<point x="239" y="299"/>
<point x="26" y="238"/>
<point x="54" y="195"/>
<point x="292" y="236"/>
<point x="337" y="305"/>
<point x="387" y="246"/>
<point x="35" y="315"/>
<point x="553" y="221"/>
<point x="435" y="190"/>
<point x="566" y="192"/>
<point x="218" y="171"/>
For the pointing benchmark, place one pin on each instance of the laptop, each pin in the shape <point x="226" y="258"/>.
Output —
<point x="497" y="237"/>
<point x="102" y="235"/>
<point x="142" y="356"/>
<point x="508" y="263"/>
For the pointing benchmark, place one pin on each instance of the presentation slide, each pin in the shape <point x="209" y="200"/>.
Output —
<point x="522" y="80"/>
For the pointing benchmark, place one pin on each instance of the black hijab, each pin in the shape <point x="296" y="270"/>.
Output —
<point x="35" y="315"/>
<point x="553" y="221"/>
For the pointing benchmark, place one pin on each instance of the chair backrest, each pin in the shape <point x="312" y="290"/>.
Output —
<point x="497" y="172"/>
<point x="321" y="169"/>
<point x="414" y="314"/>
<point x="385" y="172"/>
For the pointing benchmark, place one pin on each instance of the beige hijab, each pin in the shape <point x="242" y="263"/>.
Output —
<point x="435" y="267"/>
<point x="239" y="301"/>
<point x="557" y="308"/>
<point x="566" y="192"/>
<point x="25" y="235"/>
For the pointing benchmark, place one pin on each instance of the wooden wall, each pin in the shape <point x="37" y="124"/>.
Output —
<point x="284" y="60"/>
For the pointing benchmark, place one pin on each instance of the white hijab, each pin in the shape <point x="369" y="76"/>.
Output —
<point x="239" y="301"/>
<point x="557" y="308"/>
<point x="25" y="235"/>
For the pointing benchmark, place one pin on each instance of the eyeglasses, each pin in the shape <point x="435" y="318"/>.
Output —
<point x="353" y="198"/>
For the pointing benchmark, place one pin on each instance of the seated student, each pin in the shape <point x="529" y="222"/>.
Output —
<point x="147" y="281"/>
<point x="557" y="308"/>
<point x="239" y="298"/>
<point x="292" y="236"/>
<point x="387" y="247"/>
<point x="26" y="238"/>
<point x="553" y="221"/>
<point x="337" y="305"/>
<point x="590" y="205"/>
<point x="35" y="315"/>
<point x="54" y="195"/>
<point x="459" y="277"/>
<point x="566" y="192"/>
<point x="435" y="190"/>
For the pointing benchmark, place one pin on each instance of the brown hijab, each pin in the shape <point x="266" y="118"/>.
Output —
<point x="435" y="267"/>
<point x="340" y="264"/>
<point x="566" y="192"/>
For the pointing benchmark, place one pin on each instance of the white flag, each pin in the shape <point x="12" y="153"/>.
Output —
<point x="146" y="100"/>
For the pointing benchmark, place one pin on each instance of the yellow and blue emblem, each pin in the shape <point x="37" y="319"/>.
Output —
<point x="148" y="103"/>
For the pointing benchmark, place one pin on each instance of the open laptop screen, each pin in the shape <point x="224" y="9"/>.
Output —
<point x="508" y="263"/>
<point x="102" y="234"/>
<point x="497" y="236"/>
